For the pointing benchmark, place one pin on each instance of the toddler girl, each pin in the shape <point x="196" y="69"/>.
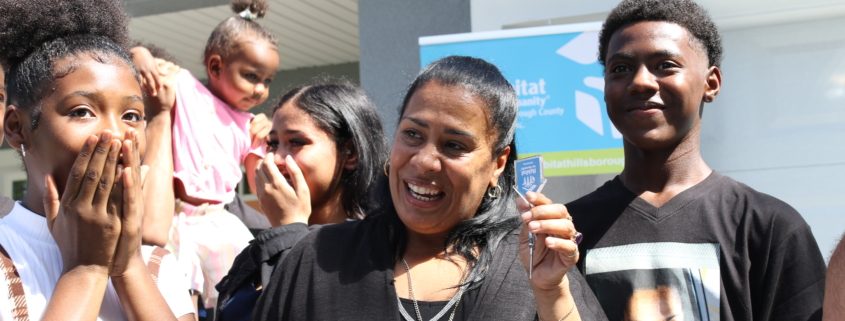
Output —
<point x="213" y="136"/>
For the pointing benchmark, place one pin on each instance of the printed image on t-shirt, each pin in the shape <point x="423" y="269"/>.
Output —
<point x="656" y="281"/>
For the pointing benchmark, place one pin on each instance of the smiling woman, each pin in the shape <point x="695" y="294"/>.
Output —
<point x="441" y="146"/>
<point x="444" y="242"/>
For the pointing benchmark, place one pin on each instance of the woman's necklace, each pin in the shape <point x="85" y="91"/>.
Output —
<point x="453" y="302"/>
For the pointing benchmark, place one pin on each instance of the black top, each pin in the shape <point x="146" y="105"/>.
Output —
<point x="254" y="220"/>
<point x="429" y="309"/>
<point x="251" y="270"/>
<point x="719" y="247"/>
<point x="345" y="272"/>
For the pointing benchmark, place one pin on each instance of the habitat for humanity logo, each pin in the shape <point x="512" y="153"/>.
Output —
<point x="588" y="110"/>
<point x="560" y="87"/>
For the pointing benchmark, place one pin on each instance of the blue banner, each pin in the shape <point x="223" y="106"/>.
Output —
<point x="560" y="86"/>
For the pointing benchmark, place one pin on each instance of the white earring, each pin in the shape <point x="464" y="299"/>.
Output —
<point x="23" y="150"/>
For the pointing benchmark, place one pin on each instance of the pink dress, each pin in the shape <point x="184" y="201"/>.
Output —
<point x="210" y="142"/>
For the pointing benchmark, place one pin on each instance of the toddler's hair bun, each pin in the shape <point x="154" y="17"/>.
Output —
<point x="257" y="8"/>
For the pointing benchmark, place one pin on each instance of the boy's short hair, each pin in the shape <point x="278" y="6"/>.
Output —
<point x="685" y="13"/>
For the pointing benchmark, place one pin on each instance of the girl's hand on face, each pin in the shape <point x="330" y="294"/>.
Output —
<point x="83" y="224"/>
<point x="259" y="129"/>
<point x="282" y="202"/>
<point x="555" y="250"/>
<point x="126" y="202"/>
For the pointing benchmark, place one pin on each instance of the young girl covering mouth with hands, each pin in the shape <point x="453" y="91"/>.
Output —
<point x="76" y="114"/>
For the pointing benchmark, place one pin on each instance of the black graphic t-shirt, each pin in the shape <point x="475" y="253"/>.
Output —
<point x="717" y="251"/>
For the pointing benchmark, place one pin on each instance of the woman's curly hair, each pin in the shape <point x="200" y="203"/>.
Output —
<point x="45" y="31"/>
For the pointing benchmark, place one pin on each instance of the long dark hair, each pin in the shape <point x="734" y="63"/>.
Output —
<point x="349" y="117"/>
<point x="495" y="217"/>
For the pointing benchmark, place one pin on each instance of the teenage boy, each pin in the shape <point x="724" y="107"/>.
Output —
<point x="743" y="255"/>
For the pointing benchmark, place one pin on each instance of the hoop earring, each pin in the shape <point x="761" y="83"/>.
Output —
<point x="23" y="150"/>
<point x="494" y="192"/>
<point x="386" y="168"/>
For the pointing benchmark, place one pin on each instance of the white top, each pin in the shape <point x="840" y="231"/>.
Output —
<point x="172" y="284"/>
<point x="36" y="256"/>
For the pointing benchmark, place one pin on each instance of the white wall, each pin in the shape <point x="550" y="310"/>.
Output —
<point x="779" y="124"/>
<point x="494" y="14"/>
<point x="10" y="170"/>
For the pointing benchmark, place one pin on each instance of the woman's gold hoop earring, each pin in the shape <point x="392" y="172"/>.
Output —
<point x="387" y="168"/>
